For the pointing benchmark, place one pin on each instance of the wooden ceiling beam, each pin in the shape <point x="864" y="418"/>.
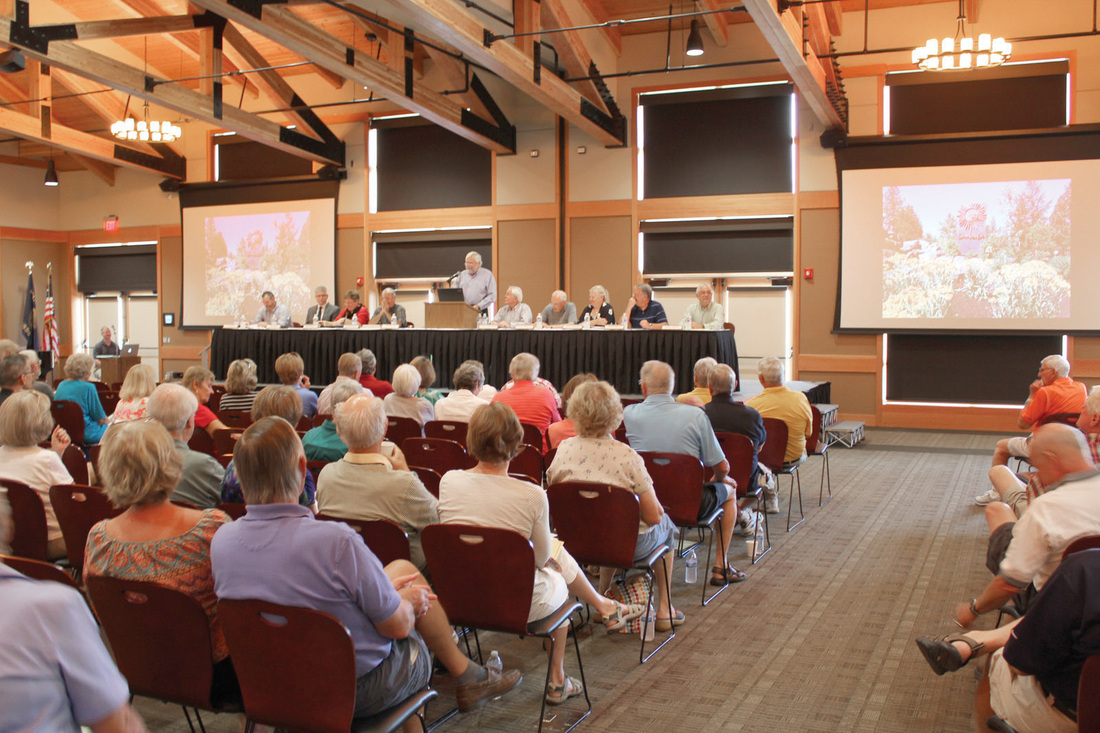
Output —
<point x="120" y="27"/>
<point x="589" y="13"/>
<point x="571" y="50"/>
<point x="242" y="53"/>
<point x="104" y="102"/>
<point x="717" y="23"/>
<point x="971" y="7"/>
<point x="834" y="15"/>
<point x="457" y="75"/>
<point x="103" y="171"/>
<point x="527" y="18"/>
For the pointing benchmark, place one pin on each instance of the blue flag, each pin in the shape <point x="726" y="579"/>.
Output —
<point x="30" y="329"/>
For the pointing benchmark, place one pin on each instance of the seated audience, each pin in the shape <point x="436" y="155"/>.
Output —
<point x="52" y="681"/>
<point x="240" y="386"/>
<point x="1052" y="393"/>
<point x="598" y="310"/>
<point x="290" y="370"/>
<point x="373" y="481"/>
<point x="281" y="402"/>
<point x="460" y="404"/>
<point x="201" y="382"/>
<point x="427" y="378"/>
<point x="727" y="416"/>
<point x="532" y="403"/>
<point x="643" y="310"/>
<point x="279" y="553"/>
<point x="563" y="429"/>
<point x="594" y="455"/>
<point x="8" y="347"/>
<point x="388" y="310"/>
<point x="200" y="480"/>
<point x="76" y="388"/>
<point x="323" y="443"/>
<point x="560" y="310"/>
<point x="348" y="369"/>
<point x="352" y="309"/>
<point x="140" y="382"/>
<point x="487" y="391"/>
<point x="377" y="387"/>
<point x="784" y="404"/>
<point x="34" y="364"/>
<point x="705" y="313"/>
<point x="487" y="496"/>
<point x="155" y="540"/>
<point x="15" y="375"/>
<point x="26" y="421"/>
<point x="701" y="374"/>
<point x="514" y="310"/>
<point x="661" y="424"/>
<point x="403" y="402"/>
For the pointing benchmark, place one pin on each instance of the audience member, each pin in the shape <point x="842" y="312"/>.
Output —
<point x="378" y="387"/>
<point x="487" y="496"/>
<point x="460" y="404"/>
<point x="323" y="443"/>
<point x="290" y="369"/>
<point x="26" y="421"/>
<point x="487" y="391"/>
<point x="240" y="386"/>
<point x="15" y="375"/>
<point x="598" y="310"/>
<point x="201" y="383"/>
<point x="784" y="404"/>
<point x="403" y="402"/>
<point x="594" y="455"/>
<point x="324" y="310"/>
<point x="560" y="310"/>
<point x="352" y="308"/>
<point x="7" y="347"/>
<point x="51" y="681"/>
<point x="106" y="347"/>
<point x="373" y="481"/>
<point x="427" y="378"/>
<point x="34" y="364"/>
<point x="699" y="396"/>
<point x="532" y="403"/>
<point x="279" y="553"/>
<point x="155" y="540"/>
<point x="563" y="429"/>
<point x="389" y="309"/>
<point x="349" y="368"/>
<point x="200" y="480"/>
<point x="644" y="312"/>
<point x="271" y="313"/>
<point x="76" y="388"/>
<point x="479" y="287"/>
<point x="705" y="313"/>
<point x="514" y="310"/>
<point x="728" y="416"/>
<point x="140" y="382"/>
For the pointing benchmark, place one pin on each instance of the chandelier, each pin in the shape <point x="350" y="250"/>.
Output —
<point x="962" y="52"/>
<point x="145" y="130"/>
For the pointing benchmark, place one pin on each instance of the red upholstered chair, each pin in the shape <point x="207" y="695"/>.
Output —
<point x="109" y="399"/>
<point x="78" y="509"/>
<point x="528" y="464"/>
<point x="533" y="436"/>
<point x="385" y="539"/>
<point x="225" y="440"/>
<point x="738" y="451"/>
<point x="400" y="428"/>
<point x="315" y="467"/>
<point x="100" y="387"/>
<point x="296" y="667"/>
<point x="1081" y="543"/>
<point x="429" y="478"/>
<point x="771" y="455"/>
<point x="215" y="398"/>
<point x="484" y="578"/>
<point x="437" y="454"/>
<point x="816" y="445"/>
<point x="240" y="419"/>
<point x="69" y="416"/>
<point x="305" y="424"/>
<point x="29" y="516"/>
<point x="201" y="442"/>
<point x="76" y="464"/>
<point x="234" y="509"/>
<point x="319" y="419"/>
<point x="620" y="434"/>
<point x="116" y="386"/>
<point x="448" y="430"/>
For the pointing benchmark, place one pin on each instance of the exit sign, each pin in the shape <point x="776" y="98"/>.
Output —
<point x="110" y="224"/>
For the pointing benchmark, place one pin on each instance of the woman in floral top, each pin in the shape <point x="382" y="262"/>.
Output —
<point x="140" y="382"/>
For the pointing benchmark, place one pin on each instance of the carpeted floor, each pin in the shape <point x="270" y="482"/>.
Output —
<point x="820" y="635"/>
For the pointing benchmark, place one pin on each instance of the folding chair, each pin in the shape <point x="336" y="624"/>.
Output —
<point x="448" y="430"/>
<point x="201" y="442"/>
<point x="319" y="419"/>
<point x="234" y="509"/>
<point x="240" y="419"/>
<point x="484" y="577"/>
<point x="528" y="464"/>
<point x="1081" y="543"/>
<point x="225" y="440"/>
<point x="429" y="478"/>
<point x="771" y="455"/>
<point x="296" y="667"/>
<point x="76" y="464"/>
<point x="678" y="480"/>
<point x="437" y="454"/>
<point x="816" y="445"/>
<point x="40" y="570"/>
<point x="29" y="516"/>
<point x="400" y="428"/>
<point x="305" y="424"/>
<point x="738" y="450"/>
<point x="70" y="417"/>
<point x="599" y="525"/>
<point x="93" y="458"/>
<point x="78" y="509"/>
<point x="385" y="539"/>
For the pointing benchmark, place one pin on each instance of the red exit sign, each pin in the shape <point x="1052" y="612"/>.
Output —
<point x="110" y="224"/>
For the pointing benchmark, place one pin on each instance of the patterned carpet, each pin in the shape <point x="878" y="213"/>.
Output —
<point x="820" y="635"/>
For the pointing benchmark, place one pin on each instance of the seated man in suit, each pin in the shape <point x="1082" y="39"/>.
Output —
<point x="324" y="310"/>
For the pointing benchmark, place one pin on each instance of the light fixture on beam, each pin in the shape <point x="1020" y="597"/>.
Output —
<point x="51" y="173"/>
<point x="962" y="53"/>
<point x="145" y="130"/>
<point x="695" y="40"/>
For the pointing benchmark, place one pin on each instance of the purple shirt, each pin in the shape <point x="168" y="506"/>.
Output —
<point x="479" y="289"/>
<point x="279" y="553"/>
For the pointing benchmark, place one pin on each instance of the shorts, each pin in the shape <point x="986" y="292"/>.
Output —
<point x="1019" y="447"/>
<point x="715" y="495"/>
<point x="403" y="672"/>
<point x="999" y="540"/>
<point x="1020" y="700"/>
<point x="662" y="533"/>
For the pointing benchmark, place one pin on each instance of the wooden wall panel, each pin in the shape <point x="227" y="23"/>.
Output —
<point x="600" y="254"/>
<point x="527" y="256"/>
<point x="13" y="284"/>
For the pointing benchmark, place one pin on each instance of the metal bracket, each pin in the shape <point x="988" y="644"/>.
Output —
<point x="614" y="124"/>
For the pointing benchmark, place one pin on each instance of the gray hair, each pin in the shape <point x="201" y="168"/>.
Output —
<point x="701" y="372"/>
<point x="601" y="290"/>
<point x="266" y="460"/>
<point x="1058" y="363"/>
<point x="559" y="295"/>
<point x="524" y="366"/>
<point x="344" y="390"/>
<point x="468" y="376"/>
<point x="172" y="406"/>
<point x="657" y="377"/>
<point x="320" y="289"/>
<point x="406" y="380"/>
<point x="353" y="294"/>
<point x="645" y="288"/>
<point x="7" y="526"/>
<point x="139" y="463"/>
<point x="702" y="287"/>
<point x="770" y="371"/>
<point x="12" y="369"/>
<point x="722" y="379"/>
<point x="517" y="291"/>
<point x="25" y="419"/>
<point x="370" y="363"/>
<point x="7" y="346"/>
<point x="79" y="366"/>
<point x="361" y="422"/>
<point x="475" y="254"/>
<point x="32" y="358"/>
<point x="1092" y="404"/>
<point x="349" y="364"/>
<point x="267" y="294"/>
<point x="388" y="291"/>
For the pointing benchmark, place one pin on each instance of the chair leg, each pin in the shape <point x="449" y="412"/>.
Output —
<point x="187" y="715"/>
<point x="546" y="685"/>
<point x="723" y="550"/>
<point x="825" y="475"/>
<point x="672" y="631"/>
<point x="790" y="502"/>
<point x="762" y="516"/>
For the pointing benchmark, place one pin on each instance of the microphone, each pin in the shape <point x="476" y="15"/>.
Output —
<point x="452" y="277"/>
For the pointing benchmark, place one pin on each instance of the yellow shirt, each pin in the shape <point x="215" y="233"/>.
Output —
<point x="792" y="408"/>
<point x="702" y="393"/>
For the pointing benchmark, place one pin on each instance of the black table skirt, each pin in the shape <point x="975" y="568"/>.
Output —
<point x="616" y="356"/>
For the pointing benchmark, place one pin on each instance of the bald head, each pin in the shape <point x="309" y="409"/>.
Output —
<point x="1058" y="450"/>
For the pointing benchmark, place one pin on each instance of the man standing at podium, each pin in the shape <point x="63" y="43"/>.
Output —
<point x="106" y="347"/>
<point x="479" y="287"/>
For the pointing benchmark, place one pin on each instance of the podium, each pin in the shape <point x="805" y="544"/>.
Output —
<point x="449" y="315"/>
<point x="113" y="368"/>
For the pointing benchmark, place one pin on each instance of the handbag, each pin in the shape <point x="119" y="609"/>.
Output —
<point x="632" y="590"/>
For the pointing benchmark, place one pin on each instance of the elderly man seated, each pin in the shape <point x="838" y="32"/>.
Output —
<point x="348" y="369"/>
<point x="643" y="310"/>
<point x="200" y="482"/>
<point x="279" y="553"/>
<point x="323" y="443"/>
<point x="373" y="481"/>
<point x="701" y="374"/>
<point x="784" y="404"/>
<point x="661" y="424"/>
<point x="727" y="416"/>
<point x="460" y="404"/>
<point x="533" y="404"/>
<point x="34" y="364"/>
<point x="14" y="375"/>
<point x="560" y="310"/>
<point x="389" y="310"/>
<point x="706" y="313"/>
<point x="514" y="310"/>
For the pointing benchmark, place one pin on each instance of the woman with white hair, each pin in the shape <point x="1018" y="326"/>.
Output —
<point x="26" y="421"/>
<point x="76" y="388"/>
<point x="140" y="382"/>
<point x="403" y="402"/>
<point x="514" y="310"/>
<point x="599" y="311"/>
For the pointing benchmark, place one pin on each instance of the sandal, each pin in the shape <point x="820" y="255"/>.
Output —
<point x="941" y="654"/>
<point x="556" y="695"/>
<point x="730" y="574"/>
<point x="666" y="624"/>
<point x="621" y="615"/>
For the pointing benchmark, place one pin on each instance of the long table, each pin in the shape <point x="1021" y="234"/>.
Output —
<point x="616" y="356"/>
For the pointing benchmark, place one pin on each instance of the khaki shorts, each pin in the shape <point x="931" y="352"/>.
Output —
<point x="1019" y="447"/>
<point x="1020" y="700"/>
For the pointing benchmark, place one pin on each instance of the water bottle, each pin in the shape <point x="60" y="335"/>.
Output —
<point x="317" y="315"/>
<point x="587" y="320"/>
<point x="538" y="321"/>
<point x="495" y="666"/>
<point x="691" y="568"/>
<point x="649" y="622"/>
<point x="393" y="319"/>
<point x="687" y="322"/>
<point x="626" y="320"/>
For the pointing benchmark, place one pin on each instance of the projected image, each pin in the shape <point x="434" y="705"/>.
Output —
<point x="989" y="250"/>
<point x="248" y="254"/>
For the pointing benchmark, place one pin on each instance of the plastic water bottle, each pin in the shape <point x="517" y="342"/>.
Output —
<point x="649" y="623"/>
<point x="691" y="568"/>
<point x="495" y="666"/>
<point x="687" y="322"/>
<point x="626" y="320"/>
<point x="538" y="321"/>
<point x="588" y="320"/>
<point x="317" y="315"/>
<point x="393" y="319"/>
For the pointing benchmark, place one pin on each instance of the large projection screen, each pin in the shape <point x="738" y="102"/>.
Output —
<point x="240" y="241"/>
<point x="989" y="247"/>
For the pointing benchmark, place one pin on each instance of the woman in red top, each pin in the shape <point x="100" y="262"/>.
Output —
<point x="201" y="382"/>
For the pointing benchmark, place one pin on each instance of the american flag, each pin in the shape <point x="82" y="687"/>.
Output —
<point x="49" y="326"/>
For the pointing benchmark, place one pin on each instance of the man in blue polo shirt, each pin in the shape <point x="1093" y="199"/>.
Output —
<point x="279" y="553"/>
<point x="662" y="424"/>
<point x="644" y="311"/>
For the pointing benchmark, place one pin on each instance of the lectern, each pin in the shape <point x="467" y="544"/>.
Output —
<point x="450" y="315"/>
<point x="113" y="368"/>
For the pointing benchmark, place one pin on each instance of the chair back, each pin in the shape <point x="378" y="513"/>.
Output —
<point x="774" y="449"/>
<point x="296" y="666"/>
<point x="528" y="464"/>
<point x="678" y="480"/>
<point x="69" y="416"/>
<point x="201" y="442"/>
<point x="76" y="464"/>
<point x="305" y="424"/>
<point x="319" y="419"/>
<point x="437" y="454"/>
<point x="429" y="478"/>
<point x="109" y="400"/>
<point x="179" y="666"/>
<point x="100" y="387"/>
<point x="1081" y="543"/>
<point x="1088" y="696"/>
<point x="225" y="440"/>
<point x="620" y="434"/>
<point x="448" y="430"/>
<point x="93" y="458"/>
<point x="1069" y="418"/>
<point x="29" y="516"/>
<point x="240" y="419"/>
<point x="234" y="509"/>
<point x="738" y="450"/>
<point x="116" y="386"/>
<point x="315" y="467"/>
<point x="815" y="434"/>
<point x="597" y="522"/>
<point x="400" y="428"/>
<point x="40" y="570"/>
<point x="385" y="539"/>
<point x="215" y="399"/>
<point x="484" y="576"/>
<point x="532" y="435"/>
<point x="78" y="509"/>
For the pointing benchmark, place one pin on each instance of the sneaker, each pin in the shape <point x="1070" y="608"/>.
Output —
<point x="746" y="523"/>
<point x="556" y="695"/>
<point x="477" y="694"/>
<point x="771" y="503"/>
<point x="622" y="614"/>
<point x="987" y="498"/>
